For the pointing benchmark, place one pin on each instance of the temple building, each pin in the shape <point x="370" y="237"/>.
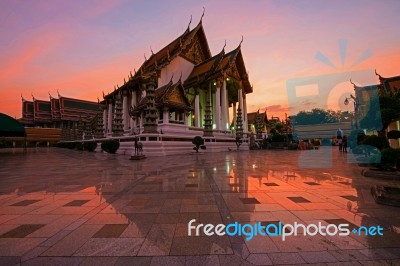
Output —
<point x="362" y="102"/>
<point x="77" y="119"/>
<point x="180" y="92"/>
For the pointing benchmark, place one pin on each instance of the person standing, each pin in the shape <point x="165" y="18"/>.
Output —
<point x="340" y="142"/>
<point x="344" y="148"/>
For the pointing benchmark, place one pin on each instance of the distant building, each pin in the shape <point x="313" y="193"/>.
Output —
<point x="72" y="116"/>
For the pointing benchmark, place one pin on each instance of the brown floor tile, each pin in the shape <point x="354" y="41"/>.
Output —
<point x="110" y="231"/>
<point x="25" y="203"/>
<point x="76" y="203"/>
<point x="22" y="231"/>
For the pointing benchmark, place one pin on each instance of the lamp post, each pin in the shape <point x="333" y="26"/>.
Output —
<point x="354" y="99"/>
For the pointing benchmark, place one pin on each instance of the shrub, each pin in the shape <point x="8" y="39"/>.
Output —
<point x="6" y="144"/>
<point x="376" y="141"/>
<point x="79" y="146"/>
<point x="390" y="159"/>
<point x="394" y="134"/>
<point x="198" y="143"/>
<point x="110" y="146"/>
<point x="90" y="146"/>
<point x="278" y="138"/>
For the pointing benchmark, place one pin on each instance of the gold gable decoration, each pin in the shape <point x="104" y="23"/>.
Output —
<point x="176" y="97"/>
<point x="233" y="72"/>
<point x="194" y="53"/>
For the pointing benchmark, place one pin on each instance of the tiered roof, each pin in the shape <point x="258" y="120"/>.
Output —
<point x="170" y="95"/>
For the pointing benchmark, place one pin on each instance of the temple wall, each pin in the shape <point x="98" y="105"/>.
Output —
<point x="177" y="66"/>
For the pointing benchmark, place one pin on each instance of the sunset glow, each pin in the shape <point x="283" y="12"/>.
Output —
<point x="84" y="48"/>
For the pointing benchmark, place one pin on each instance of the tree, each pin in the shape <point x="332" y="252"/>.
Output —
<point x="316" y="116"/>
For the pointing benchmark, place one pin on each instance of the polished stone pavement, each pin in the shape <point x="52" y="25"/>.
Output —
<point x="63" y="207"/>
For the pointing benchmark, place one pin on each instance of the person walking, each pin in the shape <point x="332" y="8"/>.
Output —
<point x="344" y="148"/>
<point x="340" y="142"/>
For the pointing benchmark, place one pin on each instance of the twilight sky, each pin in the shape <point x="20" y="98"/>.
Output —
<point x="82" y="48"/>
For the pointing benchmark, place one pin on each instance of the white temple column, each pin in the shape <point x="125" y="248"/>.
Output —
<point x="133" y="104"/>
<point x="165" y="115"/>
<point x="125" y="114"/>
<point x="218" y="108"/>
<point x="197" y="110"/>
<point x="110" y="117"/>
<point x="224" y="108"/>
<point x="246" y="124"/>
<point x="240" y="96"/>
<point x="234" y="114"/>
<point x="105" y="121"/>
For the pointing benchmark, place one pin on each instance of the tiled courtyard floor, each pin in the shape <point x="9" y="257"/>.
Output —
<point x="62" y="207"/>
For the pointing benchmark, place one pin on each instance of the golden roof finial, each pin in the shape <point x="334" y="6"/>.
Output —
<point x="241" y="41"/>
<point x="204" y="10"/>
<point x="172" y="76"/>
<point x="152" y="53"/>
<point x="190" y="22"/>
<point x="352" y="82"/>
<point x="145" y="59"/>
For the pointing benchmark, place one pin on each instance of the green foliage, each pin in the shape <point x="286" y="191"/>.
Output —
<point x="5" y="144"/>
<point x="390" y="159"/>
<point x="198" y="143"/>
<point x="390" y="108"/>
<point x="376" y="141"/>
<point x="316" y="116"/>
<point x="278" y="138"/>
<point x="110" y="146"/>
<point x="393" y="134"/>
<point x="279" y="127"/>
<point x="89" y="146"/>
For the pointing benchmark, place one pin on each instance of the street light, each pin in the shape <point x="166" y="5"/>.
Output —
<point x="354" y="99"/>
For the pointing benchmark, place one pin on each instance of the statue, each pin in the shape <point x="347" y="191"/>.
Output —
<point x="138" y="151"/>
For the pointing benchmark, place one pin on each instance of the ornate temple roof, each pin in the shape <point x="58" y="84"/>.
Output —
<point x="181" y="46"/>
<point x="391" y="84"/>
<point x="251" y="117"/>
<point x="231" y="63"/>
<point x="170" y="95"/>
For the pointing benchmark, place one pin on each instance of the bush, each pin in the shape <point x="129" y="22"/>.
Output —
<point x="110" y="146"/>
<point x="79" y="146"/>
<point x="394" y="134"/>
<point x="6" y="144"/>
<point x="90" y="146"/>
<point x="198" y="143"/>
<point x="390" y="159"/>
<point x="278" y="138"/>
<point x="376" y="141"/>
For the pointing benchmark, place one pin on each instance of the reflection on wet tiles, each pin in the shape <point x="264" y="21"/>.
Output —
<point x="299" y="199"/>
<point x="76" y="203"/>
<point x="350" y="197"/>
<point x="271" y="184"/>
<point x="22" y="231"/>
<point x="137" y="202"/>
<point x="192" y="185"/>
<point x="25" y="203"/>
<point x="110" y="231"/>
<point x="312" y="183"/>
<point x="249" y="201"/>
<point x="229" y="176"/>
<point x="344" y="183"/>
